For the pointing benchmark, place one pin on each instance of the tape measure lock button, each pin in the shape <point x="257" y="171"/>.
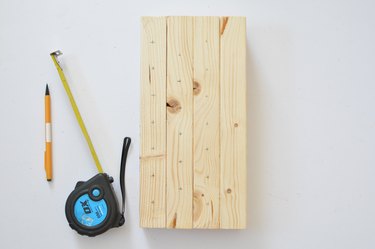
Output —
<point x="95" y="192"/>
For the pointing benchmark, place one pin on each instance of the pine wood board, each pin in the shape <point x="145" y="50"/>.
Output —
<point x="193" y="123"/>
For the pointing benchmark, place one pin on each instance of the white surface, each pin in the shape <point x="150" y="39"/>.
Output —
<point x="311" y="122"/>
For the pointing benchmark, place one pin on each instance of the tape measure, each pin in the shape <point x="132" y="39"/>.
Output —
<point x="92" y="207"/>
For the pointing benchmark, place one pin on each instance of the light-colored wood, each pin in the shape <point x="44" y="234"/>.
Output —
<point x="193" y="123"/>
<point x="206" y="91"/>
<point x="179" y="122"/>
<point x="233" y="122"/>
<point x="153" y="123"/>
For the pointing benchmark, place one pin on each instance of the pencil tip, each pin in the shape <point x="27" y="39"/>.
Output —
<point x="47" y="89"/>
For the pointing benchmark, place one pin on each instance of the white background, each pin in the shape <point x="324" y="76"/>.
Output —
<point x="311" y="120"/>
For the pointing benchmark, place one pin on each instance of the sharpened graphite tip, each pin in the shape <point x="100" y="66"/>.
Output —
<point x="47" y="89"/>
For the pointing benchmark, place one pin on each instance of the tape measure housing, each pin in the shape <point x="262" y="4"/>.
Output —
<point x="92" y="207"/>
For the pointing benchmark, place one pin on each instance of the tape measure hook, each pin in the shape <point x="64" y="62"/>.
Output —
<point x="56" y="54"/>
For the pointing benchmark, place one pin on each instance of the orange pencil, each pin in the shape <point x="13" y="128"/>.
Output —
<point x="48" y="137"/>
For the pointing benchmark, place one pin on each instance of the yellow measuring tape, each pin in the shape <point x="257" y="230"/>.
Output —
<point x="54" y="56"/>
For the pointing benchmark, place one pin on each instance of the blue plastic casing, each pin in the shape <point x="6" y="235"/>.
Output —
<point x="92" y="207"/>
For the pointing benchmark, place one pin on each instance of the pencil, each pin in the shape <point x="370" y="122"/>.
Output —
<point x="48" y="137"/>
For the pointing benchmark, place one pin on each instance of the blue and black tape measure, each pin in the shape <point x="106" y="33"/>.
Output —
<point x="92" y="207"/>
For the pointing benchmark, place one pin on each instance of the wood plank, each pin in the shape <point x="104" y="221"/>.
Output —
<point x="153" y="123"/>
<point x="206" y="122"/>
<point x="233" y="122"/>
<point x="179" y="121"/>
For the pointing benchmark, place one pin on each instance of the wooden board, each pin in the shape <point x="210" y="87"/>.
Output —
<point x="206" y="122"/>
<point x="233" y="122"/>
<point x="153" y="122"/>
<point x="179" y="122"/>
<point x="193" y="123"/>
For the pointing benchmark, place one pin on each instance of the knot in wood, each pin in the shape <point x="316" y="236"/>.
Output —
<point x="196" y="88"/>
<point x="173" y="106"/>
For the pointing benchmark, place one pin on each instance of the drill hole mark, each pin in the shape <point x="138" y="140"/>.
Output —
<point x="235" y="125"/>
<point x="229" y="191"/>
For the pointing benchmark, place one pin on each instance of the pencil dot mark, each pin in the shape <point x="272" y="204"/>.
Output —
<point x="152" y="148"/>
<point x="202" y="195"/>
<point x="153" y="175"/>
<point x="153" y="122"/>
<point x="152" y="68"/>
<point x="206" y="69"/>
<point x="229" y="191"/>
<point x="179" y="81"/>
<point x="206" y="148"/>
<point x="152" y="202"/>
<point x="180" y="133"/>
<point x="180" y="161"/>
<point x="206" y="123"/>
<point x="152" y="42"/>
<point x="180" y="188"/>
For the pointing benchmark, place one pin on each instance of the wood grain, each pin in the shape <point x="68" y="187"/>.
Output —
<point x="179" y="122"/>
<point x="206" y="122"/>
<point x="193" y="123"/>
<point x="233" y="122"/>
<point x="153" y="123"/>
